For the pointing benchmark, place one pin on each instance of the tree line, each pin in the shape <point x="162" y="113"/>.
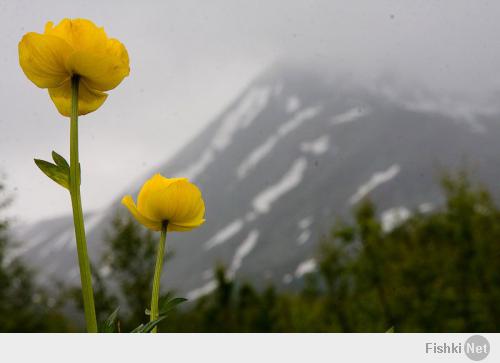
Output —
<point x="434" y="272"/>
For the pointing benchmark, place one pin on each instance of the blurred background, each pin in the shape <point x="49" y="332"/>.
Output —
<point x="347" y="152"/>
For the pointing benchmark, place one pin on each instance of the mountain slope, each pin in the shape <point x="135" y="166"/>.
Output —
<point x="293" y="152"/>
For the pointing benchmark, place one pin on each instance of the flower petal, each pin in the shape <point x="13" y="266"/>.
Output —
<point x="82" y="34"/>
<point x="103" y="61"/>
<point x="101" y="72"/>
<point x="89" y="100"/>
<point x="128" y="202"/>
<point x="43" y="58"/>
<point x="150" y="191"/>
<point x="180" y="228"/>
<point x="180" y="203"/>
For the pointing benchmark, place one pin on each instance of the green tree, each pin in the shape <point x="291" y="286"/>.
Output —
<point x="24" y="306"/>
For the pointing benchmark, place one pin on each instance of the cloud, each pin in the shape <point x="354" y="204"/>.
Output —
<point x="190" y="58"/>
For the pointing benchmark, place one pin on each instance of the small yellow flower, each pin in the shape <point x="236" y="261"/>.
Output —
<point x="74" y="47"/>
<point x="176" y="201"/>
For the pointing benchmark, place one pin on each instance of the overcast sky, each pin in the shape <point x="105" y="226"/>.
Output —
<point x="191" y="58"/>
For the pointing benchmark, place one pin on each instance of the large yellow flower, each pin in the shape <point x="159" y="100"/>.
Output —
<point x="176" y="201"/>
<point x="74" y="47"/>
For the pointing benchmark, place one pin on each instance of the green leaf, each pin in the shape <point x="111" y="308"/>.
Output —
<point x="58" y="174"/>
<point x="146" y="328"/>
<point x="390" y="330"/>
<point x="108" y="326"/>
<point x="168" y="305"/>
<point x="59" y="160"/>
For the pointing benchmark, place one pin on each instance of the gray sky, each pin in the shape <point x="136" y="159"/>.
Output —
<point x="190" y="58"/>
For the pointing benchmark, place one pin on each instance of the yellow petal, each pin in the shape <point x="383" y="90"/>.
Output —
<point x="184" y="227"/>
<point x="128" y="202"/>
<point x="82" y="34"/>
<point x="180" y="203"/>
<point x="89" y="100"/>
<point x="179" y="228"/>
<point x="101" y="72"/>
<point x="102" y="61"/>
<point x="43" y="58"/>
<point x="149" y="192"/>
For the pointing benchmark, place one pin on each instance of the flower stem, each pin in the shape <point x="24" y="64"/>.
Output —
<point x="155" y="296"/>
<point x="76" y="203"/>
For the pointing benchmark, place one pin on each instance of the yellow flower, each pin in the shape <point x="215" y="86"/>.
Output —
<point x="176" y="201"/>
<point x="74" y="47"/>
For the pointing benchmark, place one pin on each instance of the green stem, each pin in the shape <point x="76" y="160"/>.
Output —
<point x="155" y="296"/>
<point x="76" y="203"/>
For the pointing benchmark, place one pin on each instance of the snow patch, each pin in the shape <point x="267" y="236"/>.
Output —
<point x="256" y="156"/>
<point x="202" y="291"/>
<point x="302" y="116"/>
<point x="241" y="116"/>
<point x="199" y="166"/>
<point x="292" y="178"/>
<point x="316" y="147"/>
<point x="224" y="234"/>
<point x="425" y="207"/>
<point x="305" y="267"/>
<point x="393" y="217"/>
<point x="292" y="104"/>
<point x="67" y="238"/>
<point x="242" y="251"/>
<point x="304" y="237"/>
<point x="376" y="180"/>
<point x="250" y="216"/>
<point x="288" y="278"/>
<point x="350" y="115"/>
<point x="305" y="222"/>
<point x="207" y="274"/>
<point x="261" y="151"/>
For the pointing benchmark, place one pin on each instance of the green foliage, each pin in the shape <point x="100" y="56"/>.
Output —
<point x="149" y="326"/>
<point x="435" y="272"/>
<point x="60" y="161"/>
<point x="58" y="173"/>
<point x="24" y="307"/>
<point x="110" y="325"/>
<point x="130" y="256"/>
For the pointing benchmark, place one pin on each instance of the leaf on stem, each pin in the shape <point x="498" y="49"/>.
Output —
<point x="109" y="325"/>
<point x="55" y="172"/>
<point x="148" y="327"/>
<point x="59" y="160"/>
<point x="167" y="304"/>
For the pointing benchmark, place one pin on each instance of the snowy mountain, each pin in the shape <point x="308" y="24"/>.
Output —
<point x="293" y="152"/>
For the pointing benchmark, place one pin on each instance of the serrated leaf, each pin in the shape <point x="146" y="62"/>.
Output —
<point x="108" y="326"/>
<point x="56" y="173"/>
<point x="60" y="161"/>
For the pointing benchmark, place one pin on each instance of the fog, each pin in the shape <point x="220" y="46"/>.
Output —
<point x="189" y="59"/>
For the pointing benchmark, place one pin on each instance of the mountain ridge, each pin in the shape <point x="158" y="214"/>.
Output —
<point x="293" y="152"/>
